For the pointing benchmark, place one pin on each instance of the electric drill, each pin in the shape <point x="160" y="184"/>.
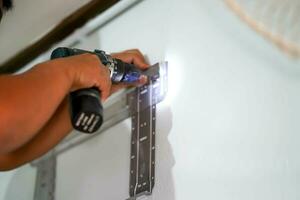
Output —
<point x="86" y="110"/>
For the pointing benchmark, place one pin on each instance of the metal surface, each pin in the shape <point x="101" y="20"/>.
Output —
<point x="142" y="103"/>
<point x="152" y="71"/>
<point x="45" y="179"/>
<point x="142" y="141"/>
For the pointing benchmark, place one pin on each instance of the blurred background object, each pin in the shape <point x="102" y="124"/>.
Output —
<point x="24" y="36"/>
<point x="278" y="21"/>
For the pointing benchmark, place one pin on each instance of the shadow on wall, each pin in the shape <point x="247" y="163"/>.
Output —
<point x="112" y="173"/>
<point x="21" y="185"/>
<point x="108" y="176"/>
<point x="164" y="186"/>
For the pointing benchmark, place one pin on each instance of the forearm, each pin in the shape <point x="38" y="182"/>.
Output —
<point x="28" y="101"/>
<point x="50" y="135"/>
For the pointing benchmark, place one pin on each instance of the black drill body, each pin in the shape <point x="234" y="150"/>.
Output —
<point x="85" y="105"/>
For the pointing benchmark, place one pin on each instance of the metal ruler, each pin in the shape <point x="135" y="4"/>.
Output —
<point x="142" y="104"/>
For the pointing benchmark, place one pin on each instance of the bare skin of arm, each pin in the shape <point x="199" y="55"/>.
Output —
<point x="54" y="131"/>
<point x="30" y="99"/>
<point x="58" y="125"/>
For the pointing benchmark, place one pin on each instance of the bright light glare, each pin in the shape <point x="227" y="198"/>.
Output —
<point x="175" y="74"/>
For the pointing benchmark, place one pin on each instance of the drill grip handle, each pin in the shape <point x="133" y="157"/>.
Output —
<point x="86" y="110"/>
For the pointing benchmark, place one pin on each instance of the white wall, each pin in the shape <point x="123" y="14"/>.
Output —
<point x="31" y="19"/>
<point x="229" y="126"/>
<point x="18" y="184"/>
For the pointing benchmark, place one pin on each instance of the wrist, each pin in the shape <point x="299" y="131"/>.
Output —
<point x="63" y="73"/>
<point x="68" y="72"/>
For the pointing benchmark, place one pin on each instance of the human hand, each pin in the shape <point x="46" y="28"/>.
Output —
<point x="132" y="56"/>
<point x="86" y="71"/>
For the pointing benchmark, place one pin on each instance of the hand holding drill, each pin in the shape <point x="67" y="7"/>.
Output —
<point x="35" y="107"/>
<point x="85" y="105"/>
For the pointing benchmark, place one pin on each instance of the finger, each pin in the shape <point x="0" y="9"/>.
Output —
<point x="136" y="52"/>
<point x="104" y="84"/>
<point x="132" y="56"/>
<point x="134" y="59"/>
<point x="143" y="80"/>
<point x="105" y="90"/>
<point x="139" y="61"/>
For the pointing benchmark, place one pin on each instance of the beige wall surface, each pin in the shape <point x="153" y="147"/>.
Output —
<point x="31" y="19"/>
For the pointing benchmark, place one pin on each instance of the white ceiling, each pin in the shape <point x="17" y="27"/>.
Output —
<point x="31" y="19"/>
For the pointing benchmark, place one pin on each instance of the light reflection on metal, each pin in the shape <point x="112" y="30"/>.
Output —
<point x="175" y="75"/>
